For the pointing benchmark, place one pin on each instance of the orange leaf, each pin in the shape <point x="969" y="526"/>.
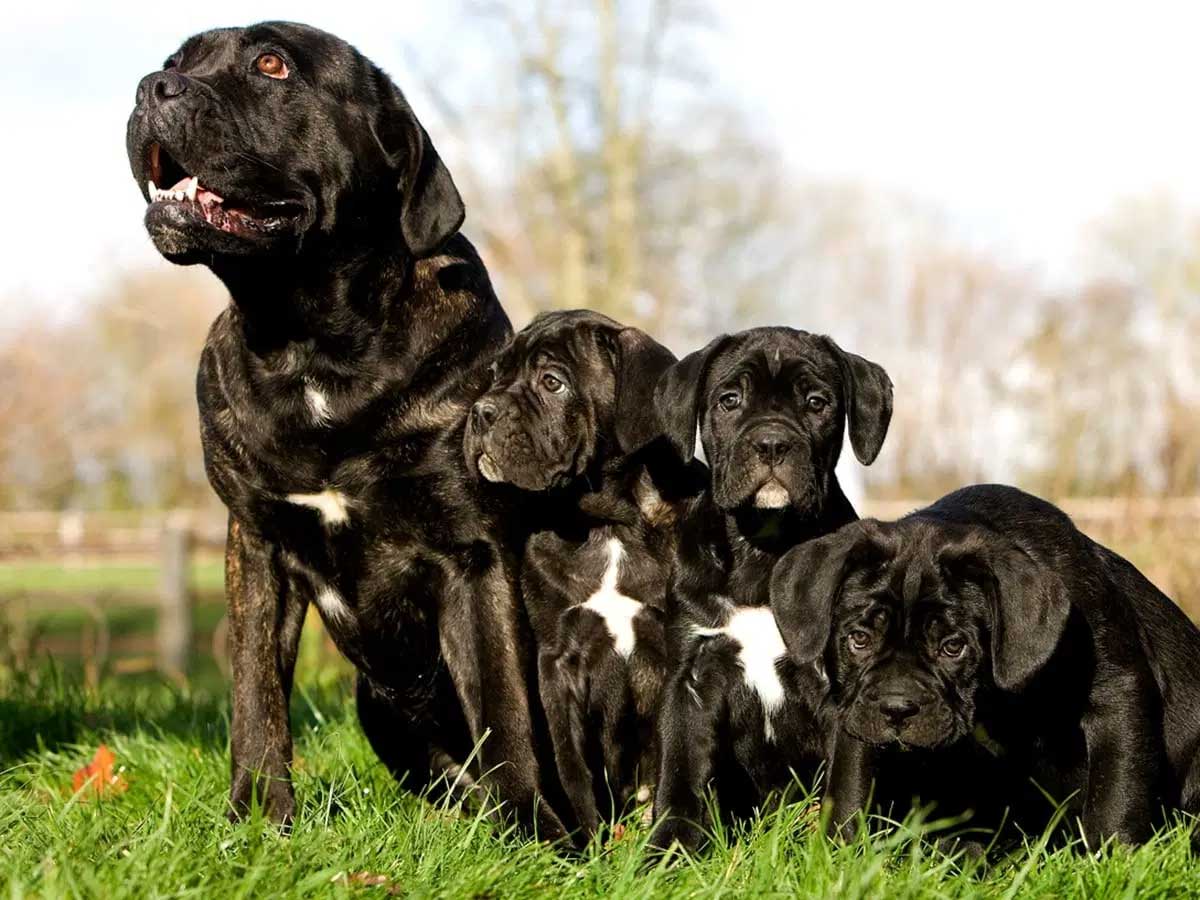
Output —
<point x="97" y="777"/>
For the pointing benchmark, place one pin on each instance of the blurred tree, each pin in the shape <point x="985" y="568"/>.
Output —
<point x="604" y="170"/>
<point x="100" y="411"/>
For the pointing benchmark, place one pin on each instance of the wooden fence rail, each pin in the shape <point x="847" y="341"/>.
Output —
<point x="1162" y="529"/>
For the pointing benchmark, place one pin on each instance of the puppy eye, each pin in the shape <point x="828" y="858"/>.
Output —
<point x="953" y="647"/>
<point x="552" y="383"/>
<point x="859" y="640"/>
<point x="272" y="65"/>
<point x="816" y="403"/>
<point x="730" y="400"/>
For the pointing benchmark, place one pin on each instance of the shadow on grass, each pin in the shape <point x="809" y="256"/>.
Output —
<point x="49" y="708"/>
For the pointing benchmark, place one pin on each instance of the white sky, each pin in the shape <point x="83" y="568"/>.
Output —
<point x="1021" y="120"/>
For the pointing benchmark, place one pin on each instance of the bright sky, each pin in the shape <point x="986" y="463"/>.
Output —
<point x="1021" y="120"/>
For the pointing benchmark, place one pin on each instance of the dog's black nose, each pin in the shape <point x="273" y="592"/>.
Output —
<point x="772" y="446"/>
<point x="898" y="707"/>
<point x="159" y="87"/>
<point x="485" y="413"/>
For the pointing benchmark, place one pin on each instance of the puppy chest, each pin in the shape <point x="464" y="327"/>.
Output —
<point x="607" y="584"/>
<point x="759" y="648"/>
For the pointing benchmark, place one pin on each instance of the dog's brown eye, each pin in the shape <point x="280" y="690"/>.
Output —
<point x="816" y="403"/>
<point x="730" y="400"/>
<point x="953" y="647"/>
<point x="272" y="66"/>
<point x="859" y="640"/>
<point x="552" y="383"/>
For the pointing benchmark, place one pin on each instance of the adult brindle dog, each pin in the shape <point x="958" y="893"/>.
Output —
<point x="333" y="392"/>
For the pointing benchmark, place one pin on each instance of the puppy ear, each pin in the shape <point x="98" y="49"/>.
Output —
<point x="1029" y="606"/>
<point x="639" y="361"/>
<point x="677" y="397"/>
<point x="807" y="580"/>
<point x="868" y="403"/>
<point x="431" y="209"/>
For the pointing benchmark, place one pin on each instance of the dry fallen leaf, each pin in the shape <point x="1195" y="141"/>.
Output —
<point x="367" y="879"/>
<point x="97" y="778"/>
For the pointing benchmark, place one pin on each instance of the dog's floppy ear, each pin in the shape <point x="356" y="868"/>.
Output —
<point x="431" y="209"/>
<point x="808" y="579"/>
<point x="868" y="403"/>
<point x="677" y="397"/>
<point x="1029" y="604"/>
<point x="639" y="361"/>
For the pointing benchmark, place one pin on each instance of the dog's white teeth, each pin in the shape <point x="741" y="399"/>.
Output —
<point x="192" y="185"/>
<point x="152" y="190"/>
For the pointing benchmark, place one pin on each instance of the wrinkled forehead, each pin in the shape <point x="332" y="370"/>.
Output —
<point x="903" y="571"/>
<point x="316" y="51"/>
<point x="771" y="354"/>
<point x="571" y="345"/>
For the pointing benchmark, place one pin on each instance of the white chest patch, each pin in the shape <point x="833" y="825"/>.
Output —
<point x="332" y="605"/>
<point x="754" y="628"/>
<point x="318" y="403"/>
<point x="615" y="608"/>
<point x="331" y="504"/>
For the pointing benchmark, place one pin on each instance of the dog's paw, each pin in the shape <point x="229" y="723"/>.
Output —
<point x="275" y="796"/>
<point x="676" y="834"/>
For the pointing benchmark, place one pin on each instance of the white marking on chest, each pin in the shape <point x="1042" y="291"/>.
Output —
<point x="761" y="646"/>
<point x="318" y="403"/>
<point x="331" y="504"/>
<point x="332" y="604"/>
<point x="610" y="604"/>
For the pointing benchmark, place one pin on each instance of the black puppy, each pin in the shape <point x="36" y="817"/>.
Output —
<point x="989" y="617"/>
<point x="333" y="393"/>
<point x="771" y="405"/>
<point x="570" y="421"/>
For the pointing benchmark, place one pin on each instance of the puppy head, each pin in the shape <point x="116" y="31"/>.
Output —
<point x="772" y="405"/>
<point x="249" y="139"/>
<point x="571" y="390"/>
<point x="911" y="620"/>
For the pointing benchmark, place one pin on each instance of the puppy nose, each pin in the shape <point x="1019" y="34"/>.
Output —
<point x="159" y="87"/>
<point x="485" y="413"/>
<point x="772" y="446"/>
<point x="898" y="707"/>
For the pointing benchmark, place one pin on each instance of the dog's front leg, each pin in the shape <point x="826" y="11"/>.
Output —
<point x="1125" y="761"/>
<point x="484" y="642"/>
<point x="851" y="774"/>
<point x="693" y="705"/>
<point x="265" y="620"/>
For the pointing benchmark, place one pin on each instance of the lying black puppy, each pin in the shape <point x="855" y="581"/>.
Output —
<point x="569" y="420"/>
<point x="333" y="393"/>
<point x="772" y="405"/>
<point x="988" y="616"/>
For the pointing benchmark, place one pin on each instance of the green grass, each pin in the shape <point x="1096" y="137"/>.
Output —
<point x="98" y="577"/>
<point x="166" y="836"/>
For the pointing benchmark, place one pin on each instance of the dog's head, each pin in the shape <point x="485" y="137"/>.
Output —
<point x="249" y="140"/>
<point x="911" y="620"/>
<point x="772" y="405"/>
<point x="571" y="390"/>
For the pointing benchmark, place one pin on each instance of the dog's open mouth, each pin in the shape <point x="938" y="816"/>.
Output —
<point x="189" y="195"/>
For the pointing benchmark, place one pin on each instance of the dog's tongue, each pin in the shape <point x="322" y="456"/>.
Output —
<point x="202" y="194"/>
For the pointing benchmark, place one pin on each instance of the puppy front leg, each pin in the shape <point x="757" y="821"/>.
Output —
<point x="482" y="640"/>
<point x="265" y="619"/>
<point x="562" y="690"/>
<point x="1125" y="762"/>
<point x="848" y="791"/>
<point x="693" y="704"/>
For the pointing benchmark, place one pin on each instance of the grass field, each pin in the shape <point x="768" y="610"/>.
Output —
<point x="358" y="835"/>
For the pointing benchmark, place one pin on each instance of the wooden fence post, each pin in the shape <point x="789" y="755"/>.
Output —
<point x="174" y="632"/>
